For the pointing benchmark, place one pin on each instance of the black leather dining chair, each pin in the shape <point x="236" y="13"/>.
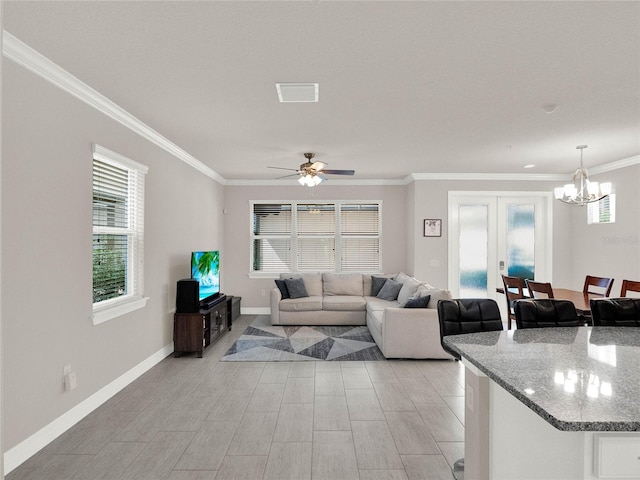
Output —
<point x="546" y="312"/>
<point x="467" y="315"/>
<point x="615" y="312"/>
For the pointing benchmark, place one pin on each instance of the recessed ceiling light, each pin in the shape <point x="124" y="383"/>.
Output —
<point x="550" y="107"/>
<point x="297" y="92"/>
<point x="530" y="165"/>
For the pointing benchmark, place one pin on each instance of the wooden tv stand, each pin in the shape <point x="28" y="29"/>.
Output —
<point x="194" y="332"/>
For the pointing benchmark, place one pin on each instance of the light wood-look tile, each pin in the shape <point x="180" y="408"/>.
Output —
<point x="242" y="467"/>
<point x="159" y="456"/>
<point x="275" y="372"/>
<point x="441" y="422"/>
<point x="375" y="448"/>
<point x="334" y="456"/>
<point x="327" y="366"/>
<point x="419" y="390"/>
<point x="446" y="385"/>
<point x="230" y="406"/>
<point x="393" y="397"/>
<point x="295" y="423"/>
<point x="299" y="390"/>
<point x="426" y="467"/>
<point x="208" y="447"/>
<point x="330" y="413"/>
<point x="289" y="461"/>
<point x="411" y="435"/>
<point x="302" y="369"/>
<point x="49" y="467"/>
<point x="254" y="434"/>
<point x="192" y="475"/>
<point x="245" y="378"/>
<point x="381" y="372"/>
<point x="363" y="405"/>
<point x="452" y="451"/>
<point x="456" y="405"/>
<point x="383" y="475"/>
<point x="111" y="462"/>
<point x="187" y="414"/>
<point x="266" y="398"/>
<point x="356" y="378"/>
<point x="329" y="383"/>
<point x="405" y="368"/>
<point x="145" y="426"/>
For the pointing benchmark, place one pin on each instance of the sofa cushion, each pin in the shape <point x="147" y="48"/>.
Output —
<point x="389" y="290"/>
<point x="305" y="304"/>
<point x="419" y="302"/>
<point x="296" y="287"/>
<point x="408" y="290"/>
<point x="282" y="286"/>
<point x="436" y="295"/>
<point x="342" y="284"/>
<point x="374" y="321"/>
<point x="402" y="277"/>
<point x="342" y="303"/>
<point x="312" y="282"/>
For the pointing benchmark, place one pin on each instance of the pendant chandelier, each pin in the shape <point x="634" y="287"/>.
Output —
<point x="582" y="190"/>
<point x="310" y="179"/>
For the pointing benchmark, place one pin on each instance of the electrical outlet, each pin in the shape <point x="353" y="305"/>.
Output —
<point x="70" y="381"/>
<point x="67" y="369"/>
<point x="264" y="293"/>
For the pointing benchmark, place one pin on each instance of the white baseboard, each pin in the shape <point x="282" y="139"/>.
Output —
<point x="17" y="455"/>
<point x="255" y="311"/>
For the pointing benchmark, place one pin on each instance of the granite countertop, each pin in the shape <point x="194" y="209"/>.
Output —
<point x="577" y="379"/>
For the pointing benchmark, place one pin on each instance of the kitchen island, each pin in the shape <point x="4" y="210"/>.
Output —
<point x="551" y="403"/>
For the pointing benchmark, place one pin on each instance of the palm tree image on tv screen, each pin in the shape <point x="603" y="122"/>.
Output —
<point x="205" y="267"/>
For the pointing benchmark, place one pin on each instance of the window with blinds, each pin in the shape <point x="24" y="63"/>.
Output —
<point x="300" y="236"/>
<point x="118" y="227"/>
<point x="603" y="211"/>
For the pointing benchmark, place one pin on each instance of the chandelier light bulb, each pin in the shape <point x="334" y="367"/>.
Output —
<point x="582" y="190"/>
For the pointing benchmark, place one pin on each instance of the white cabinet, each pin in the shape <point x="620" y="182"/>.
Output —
<point x="617" y="455"/>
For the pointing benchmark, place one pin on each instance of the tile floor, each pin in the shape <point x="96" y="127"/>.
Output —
<point x="196" y="419"/>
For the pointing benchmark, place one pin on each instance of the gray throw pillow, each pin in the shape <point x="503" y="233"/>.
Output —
<point x="296" y="288"/>
<point x="420" y="302"/>
<point x="282" y="286"/>
<point x="389" y="290"/>
<point x="376" y="284"/>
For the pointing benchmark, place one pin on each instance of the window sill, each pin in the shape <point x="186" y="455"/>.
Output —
<point x="109" y="312"/>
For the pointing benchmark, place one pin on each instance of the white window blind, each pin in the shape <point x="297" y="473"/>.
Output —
<point x="118" y="228"/>
<point x="360" y="228"/>
<point x="331" y="236"/>
<point x="603" y="211"/>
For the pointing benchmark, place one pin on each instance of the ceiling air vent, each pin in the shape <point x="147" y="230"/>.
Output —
<point x="297" y="92"/>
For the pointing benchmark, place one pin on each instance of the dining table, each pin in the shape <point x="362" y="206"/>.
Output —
<point x="579" y="299"/>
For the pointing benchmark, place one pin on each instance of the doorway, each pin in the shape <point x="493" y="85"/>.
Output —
<point x="497" y="233"/>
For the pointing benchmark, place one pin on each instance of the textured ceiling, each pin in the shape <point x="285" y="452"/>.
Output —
<point x="405" y="87"/>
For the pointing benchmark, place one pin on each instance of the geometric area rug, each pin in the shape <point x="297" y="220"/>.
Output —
<point x="263" y="342"/>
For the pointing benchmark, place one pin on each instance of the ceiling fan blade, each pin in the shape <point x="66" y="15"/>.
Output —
<point x="282" y="168"/>
<point x="287" y="176"/>
<point x="339" y="172"/>
<point x="317" y="166"/>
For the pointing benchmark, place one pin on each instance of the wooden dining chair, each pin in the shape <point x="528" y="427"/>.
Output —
<point x="513" y="290"/>
<point x="629" y="286"/>
<point x="604" y="286"/>
<point x="539" y="289"/>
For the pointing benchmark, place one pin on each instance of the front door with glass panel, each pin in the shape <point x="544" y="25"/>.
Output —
<point x="493" y="234"/>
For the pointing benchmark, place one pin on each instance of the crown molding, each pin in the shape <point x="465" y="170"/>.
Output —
<point x="330" y="182"/>
<point x="22" y="54"/>
<point x="539" y="177"/>
<point x="618" y="164"/>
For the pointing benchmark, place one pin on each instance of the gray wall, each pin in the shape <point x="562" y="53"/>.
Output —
<point x="609" y="250"/>
<point x="46" y="250"/>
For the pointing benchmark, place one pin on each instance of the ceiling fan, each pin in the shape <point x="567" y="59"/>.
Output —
<point x="312" y="174"/>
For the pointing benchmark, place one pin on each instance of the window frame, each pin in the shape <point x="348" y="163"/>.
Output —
<point x="134" y="299"/>
<point x="603" y="211"/>
<point x="293" y="235"/>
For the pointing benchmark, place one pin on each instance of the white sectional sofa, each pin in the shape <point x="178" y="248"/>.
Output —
<point x="346" y="299"/>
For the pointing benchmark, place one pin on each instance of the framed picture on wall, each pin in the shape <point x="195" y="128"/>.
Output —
<point x="433" y="227"/>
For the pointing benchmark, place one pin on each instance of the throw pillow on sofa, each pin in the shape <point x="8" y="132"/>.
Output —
<point x="408" y="290"/>
<point x="282" y="286"/>
<point x="296" y="288"/>
<point x="376" y="285"/>
<point x="389" y="290"/>
<point x="419" y="302"/>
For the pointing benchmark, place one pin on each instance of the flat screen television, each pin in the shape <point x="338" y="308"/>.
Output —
<point x="205" y="267"/>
